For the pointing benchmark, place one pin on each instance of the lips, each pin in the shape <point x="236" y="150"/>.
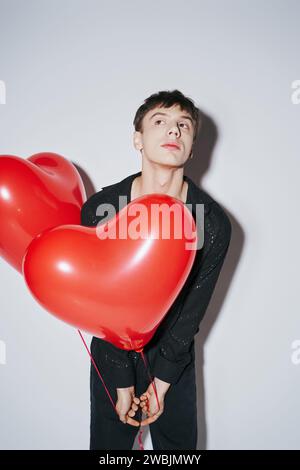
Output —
<point x="171" y="145"/>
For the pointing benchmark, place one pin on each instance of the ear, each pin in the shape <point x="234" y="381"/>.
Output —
<point x="137" y="140"/>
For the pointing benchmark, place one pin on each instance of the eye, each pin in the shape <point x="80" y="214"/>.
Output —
<point x="184" y="123"/>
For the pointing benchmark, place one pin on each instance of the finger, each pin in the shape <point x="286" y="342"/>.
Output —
<point x="149" y="420"/>
<point x="131" y="413"/>
<point x="122" y="418"/>
<point x="145" y="411"/>
<point x="145" y="396"/>
<point x="133" y="422"/>
<point x="136" y="400"/>
<point x="144" y="402"/>
<point x="134" y="407"/>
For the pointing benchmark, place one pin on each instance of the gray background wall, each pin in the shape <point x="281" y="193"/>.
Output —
<point x="74" y="73"/>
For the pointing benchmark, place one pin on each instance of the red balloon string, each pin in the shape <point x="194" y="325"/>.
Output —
<point x="95" y="365"/>
<point x="140" y="441"/>
<point x="151" y="378"/>
<point x="106" y="389"/>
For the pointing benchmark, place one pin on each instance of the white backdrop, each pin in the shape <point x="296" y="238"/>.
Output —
<point x="73" y="74"/>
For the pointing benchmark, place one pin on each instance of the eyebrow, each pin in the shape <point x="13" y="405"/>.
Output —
<point x="165" y="114"/>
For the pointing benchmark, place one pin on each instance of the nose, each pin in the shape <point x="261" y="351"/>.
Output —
<point x="174" y="130"/>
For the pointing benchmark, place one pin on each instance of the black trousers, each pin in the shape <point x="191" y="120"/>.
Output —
<point x="175" y="429"/>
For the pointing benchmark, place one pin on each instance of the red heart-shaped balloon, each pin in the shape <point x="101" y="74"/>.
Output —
<point x="118" y="289"/>
<point x="43" y="191"/>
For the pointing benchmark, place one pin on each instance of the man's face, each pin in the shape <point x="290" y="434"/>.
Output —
<point x="163" y="125"/>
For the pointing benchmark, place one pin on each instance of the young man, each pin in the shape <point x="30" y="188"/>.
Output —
<point x="166" y="126"/>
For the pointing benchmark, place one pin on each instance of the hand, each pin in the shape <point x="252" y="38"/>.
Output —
<point x="149" y="401"/>
<point x="127" y="404"/>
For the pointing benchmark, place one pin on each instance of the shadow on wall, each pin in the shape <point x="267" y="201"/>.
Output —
<point x="196" y="169"/>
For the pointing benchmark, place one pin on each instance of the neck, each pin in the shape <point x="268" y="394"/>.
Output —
<point x="162" y="180"/>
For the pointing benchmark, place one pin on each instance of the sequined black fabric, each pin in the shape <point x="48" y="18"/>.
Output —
<point x="175" y="335"/>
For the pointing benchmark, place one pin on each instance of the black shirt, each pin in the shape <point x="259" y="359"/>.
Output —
<point x="175" y="334"/>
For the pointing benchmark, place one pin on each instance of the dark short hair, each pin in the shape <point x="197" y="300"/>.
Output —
<point x="167" y="99"/>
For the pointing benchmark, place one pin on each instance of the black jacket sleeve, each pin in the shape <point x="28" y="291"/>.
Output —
<point x="175" y="343"/>
<point x="118" y="360"/>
